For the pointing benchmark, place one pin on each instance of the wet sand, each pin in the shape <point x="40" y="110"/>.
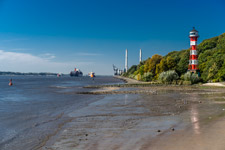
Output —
<point x="170" y="117"/>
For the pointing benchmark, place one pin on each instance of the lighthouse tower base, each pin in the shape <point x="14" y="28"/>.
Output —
<point x="196" y="72"/>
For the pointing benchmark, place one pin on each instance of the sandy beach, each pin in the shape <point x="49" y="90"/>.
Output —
<point x="168" y="117"/>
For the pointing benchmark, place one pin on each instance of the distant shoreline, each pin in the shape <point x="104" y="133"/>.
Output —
<point x="28" y="74"/>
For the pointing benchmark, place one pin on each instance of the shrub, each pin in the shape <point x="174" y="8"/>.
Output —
<point x="187" y="76"/>
<point x="186" y="83"/>
<point x="147" y="77"/>
<point x="182" y="77"/>
<point x="192" y="77"/>
<point x="131" y="76"/>
<point x="168" y="76"/>
<point x="195" y="78"/>
<point x="137" y="77"/>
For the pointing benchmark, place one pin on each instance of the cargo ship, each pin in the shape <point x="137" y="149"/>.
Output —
<point x="76" y="73"/>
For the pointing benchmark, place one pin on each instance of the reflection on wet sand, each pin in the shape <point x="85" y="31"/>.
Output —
<point x="195" y="119"/>
<point x="125" y="99"/>
<point x="167" y="120"/>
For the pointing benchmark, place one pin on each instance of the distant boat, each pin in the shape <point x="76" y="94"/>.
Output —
<point x="91" y="74"/>
<point x="76" y="73"/>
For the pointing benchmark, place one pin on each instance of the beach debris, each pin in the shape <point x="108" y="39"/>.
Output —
<point x="223" y="109"/>
<point x="159" y="131"/>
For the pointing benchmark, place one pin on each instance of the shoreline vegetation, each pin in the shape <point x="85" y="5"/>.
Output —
<point x="139" y="87"/>
<point x="131" y="82"/>
<point x="173" y="68"/>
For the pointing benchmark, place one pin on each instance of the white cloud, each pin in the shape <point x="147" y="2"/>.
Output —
<point x="25" y="62"/>
<point x="47" y="56"/>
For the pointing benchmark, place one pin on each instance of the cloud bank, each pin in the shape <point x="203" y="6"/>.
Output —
<point x="25" y="62"/>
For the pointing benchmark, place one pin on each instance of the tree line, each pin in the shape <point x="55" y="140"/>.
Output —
<point x="211" y="57"/>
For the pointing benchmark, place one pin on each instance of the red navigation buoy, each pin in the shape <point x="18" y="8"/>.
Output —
<point x="10" y="82"/>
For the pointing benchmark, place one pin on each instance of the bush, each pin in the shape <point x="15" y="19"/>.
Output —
<point x="147" y="77"/>
<point x="186" y="83"/>
<point x="192" y="77"/>
<point x="131" y="76"/>
<point x="137" y="77"/>
<point x="168" y="76"/>
<point x="187" y="76"/>
<point x="195" y="78"/>
<point x="182" y="77"/>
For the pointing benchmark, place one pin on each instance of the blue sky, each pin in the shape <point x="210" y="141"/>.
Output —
<point x="58" y="35"/>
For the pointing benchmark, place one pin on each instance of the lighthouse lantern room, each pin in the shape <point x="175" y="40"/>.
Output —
<point x="193" y="60"/>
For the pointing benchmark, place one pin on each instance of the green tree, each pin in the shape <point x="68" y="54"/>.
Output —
<point x="182" y="65"/>
<point x="221" y="73"/>
<point x="162" y="66"/>
<point x="212" y="72"/>
<point x="171" y="63"/>
<point x="150" y="64"/>
<point x="141" y="70"/>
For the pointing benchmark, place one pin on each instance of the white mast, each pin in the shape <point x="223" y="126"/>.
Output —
<point x="140" y="57"/>
<point x="126" y="60"/>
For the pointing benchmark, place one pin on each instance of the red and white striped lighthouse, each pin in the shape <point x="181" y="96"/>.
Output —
<point x="193" y="60"/>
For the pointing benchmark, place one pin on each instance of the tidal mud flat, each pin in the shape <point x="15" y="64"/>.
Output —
<point x="140" y="118"/>
<point x="49" y="113"/>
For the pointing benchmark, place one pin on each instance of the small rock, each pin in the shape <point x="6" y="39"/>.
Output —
<point x="86" y="134"/>
<point x="223" y="109"/>
<point x="210" y="117"/>
<point x="159" y="131"/>
<point x="200" y="101"/>
<point x="172" y="129"/>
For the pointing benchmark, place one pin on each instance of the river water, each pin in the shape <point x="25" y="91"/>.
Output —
<point x="37" y="106"/>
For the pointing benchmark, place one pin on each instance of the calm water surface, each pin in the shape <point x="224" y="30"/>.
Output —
<point x="35" y="106"/>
